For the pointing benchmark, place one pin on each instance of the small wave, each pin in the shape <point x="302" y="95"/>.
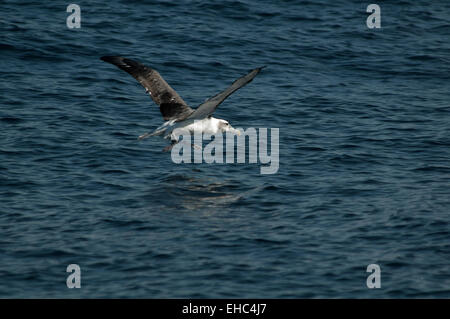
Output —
<point x="437" y="169"/>
<point x="11" y="120"/>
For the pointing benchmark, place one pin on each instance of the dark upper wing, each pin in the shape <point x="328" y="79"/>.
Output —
<point x="208" y="108"/>
<point x="170" y="103"/>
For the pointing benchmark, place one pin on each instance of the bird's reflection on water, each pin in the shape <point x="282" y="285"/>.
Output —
<point x="194" y="192"/>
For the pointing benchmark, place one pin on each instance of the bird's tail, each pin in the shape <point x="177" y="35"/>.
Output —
<point x="159" y="131"/>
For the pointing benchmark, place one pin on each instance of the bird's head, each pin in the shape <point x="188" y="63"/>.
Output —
<point x="224" y="126"/>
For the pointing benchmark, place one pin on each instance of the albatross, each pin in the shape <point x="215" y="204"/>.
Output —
<point x="175" y="112"/>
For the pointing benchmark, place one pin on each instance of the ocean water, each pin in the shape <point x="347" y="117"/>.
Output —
<point x="364" y="127"/>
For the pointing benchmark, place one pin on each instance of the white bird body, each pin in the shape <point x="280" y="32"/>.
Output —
<point x="210" y="125"/>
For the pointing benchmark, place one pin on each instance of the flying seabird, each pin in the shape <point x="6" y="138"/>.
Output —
<point x="176" y="113"/>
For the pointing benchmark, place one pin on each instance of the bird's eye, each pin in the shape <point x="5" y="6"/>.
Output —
<point x="227" y="123"/>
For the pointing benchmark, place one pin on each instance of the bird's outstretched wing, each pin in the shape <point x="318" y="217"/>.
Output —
<point x="206" y="109"/>
<point x="171" y="105"/>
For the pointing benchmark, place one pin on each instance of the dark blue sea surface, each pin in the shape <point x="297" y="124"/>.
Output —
<point x="364" y="176"/>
